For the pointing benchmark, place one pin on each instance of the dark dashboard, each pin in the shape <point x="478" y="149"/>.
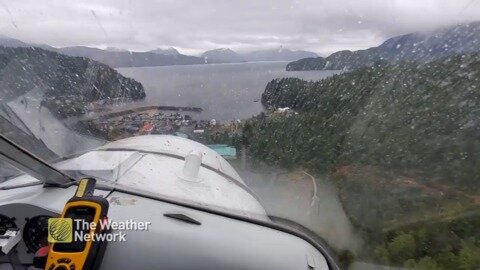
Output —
<point x="32" y="221"/>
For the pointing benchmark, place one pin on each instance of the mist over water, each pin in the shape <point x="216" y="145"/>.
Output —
<point x="223" y="91"/>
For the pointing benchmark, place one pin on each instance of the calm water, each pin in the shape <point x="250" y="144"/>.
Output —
<point x="223" y="91"/>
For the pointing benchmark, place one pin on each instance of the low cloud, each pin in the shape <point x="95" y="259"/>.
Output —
<point x="195" y="26"/>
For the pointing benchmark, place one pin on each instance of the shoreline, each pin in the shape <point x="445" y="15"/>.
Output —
<point x="147" y="108"/>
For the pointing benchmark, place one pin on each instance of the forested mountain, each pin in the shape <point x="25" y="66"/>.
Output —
<point x="67" y="83"/>
<point x="410" y="114"/>
<point x="422" y="46"/>
<point x="402" y="144"/>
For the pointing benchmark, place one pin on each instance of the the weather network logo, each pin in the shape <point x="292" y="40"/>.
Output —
<point x="60" y="230"/>
<point x="68" y="230"/>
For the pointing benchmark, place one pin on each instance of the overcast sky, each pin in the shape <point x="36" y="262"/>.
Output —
<point x="322" y="26"/>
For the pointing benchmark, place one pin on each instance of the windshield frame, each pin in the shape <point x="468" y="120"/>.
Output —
<point x="20" y="158"/>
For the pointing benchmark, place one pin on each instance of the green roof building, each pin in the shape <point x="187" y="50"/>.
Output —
<point x="227" y="152"/>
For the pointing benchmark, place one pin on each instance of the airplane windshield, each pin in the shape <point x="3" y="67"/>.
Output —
<point x="358" y="121"/>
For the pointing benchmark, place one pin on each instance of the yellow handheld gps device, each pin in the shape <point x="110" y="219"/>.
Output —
<point x="75" y="237"/>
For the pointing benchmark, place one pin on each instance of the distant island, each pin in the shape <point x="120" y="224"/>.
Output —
<point x="222" y="55"/>
<point x="225" y="55"/>
<point x="422" y="46"/>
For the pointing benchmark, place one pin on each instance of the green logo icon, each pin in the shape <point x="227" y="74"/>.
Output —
<point x="60" y="230"/>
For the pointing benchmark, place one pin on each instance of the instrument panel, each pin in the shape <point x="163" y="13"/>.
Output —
<point x="35" y="233"/>
<point x="32" y="221"/>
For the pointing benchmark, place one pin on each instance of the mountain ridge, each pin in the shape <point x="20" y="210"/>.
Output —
<point x="222" y="55"/>
<point x="116" y="57"/>
<point x="168" y="51"/>
<point x="424" y="46"/>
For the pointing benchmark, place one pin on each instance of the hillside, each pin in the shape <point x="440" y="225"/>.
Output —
<point x="422" y="46"/>
<point x="400" y="142"/>
<point x="68" y="83"/>
<point x="410" y="114"/>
